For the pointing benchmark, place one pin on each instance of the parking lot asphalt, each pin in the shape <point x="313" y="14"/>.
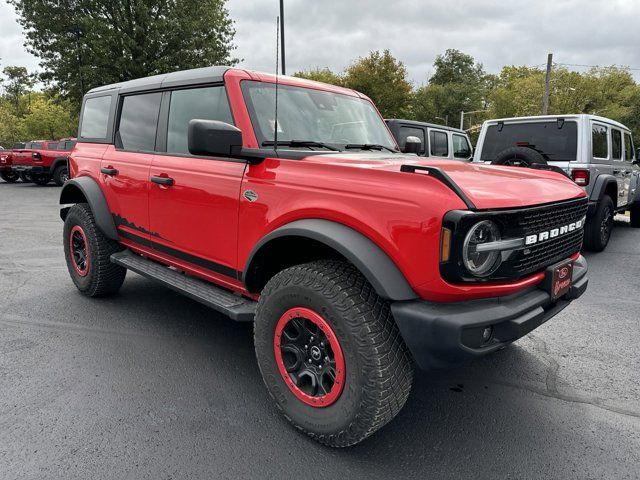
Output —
<point x="149" y="384"/>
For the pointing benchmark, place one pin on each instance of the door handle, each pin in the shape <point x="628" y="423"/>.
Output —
<point x="109" y="171"/>
<point x="166" y="181"/>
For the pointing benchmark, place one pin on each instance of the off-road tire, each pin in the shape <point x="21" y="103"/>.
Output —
<point x="10" y="177"/>
<point x="41" y="178"/>
<point x="25" y="177"/>
<point x="60" y="174"/>
<point x="103" y="277"/>
<point x="519" y="157"/>
<point x="634" y="216"/>
<point x="378" y="365"/>
<point x="595" y="237"/>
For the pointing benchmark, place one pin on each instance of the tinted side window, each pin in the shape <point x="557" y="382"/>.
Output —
<point x="95" y="117"/>
<point x="412" y="132"/>
<point x="599" y="141"/>
<point x="439" y="144"/>
<point x="28" y="145"/>
<point x="202" y="103"/>
<point x="52" y="146"/>
<point x="18" y="146"/>
<point x="37" y="145"/>
<point x="616" y="144"/>
<point x="139" y="121"/>
<point x="628" y="148"/>
<point x="461" y="147"/>
<point x="69" y="144"/>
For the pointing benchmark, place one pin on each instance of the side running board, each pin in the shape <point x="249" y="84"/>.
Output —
<point x="438" y="174"/>
<point x="238" y="308"/>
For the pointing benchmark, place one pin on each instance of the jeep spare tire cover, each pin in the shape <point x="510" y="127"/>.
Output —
<point x="518" y="157"/>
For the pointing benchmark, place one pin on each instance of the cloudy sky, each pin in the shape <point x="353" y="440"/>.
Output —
<point x="332" y="33"/>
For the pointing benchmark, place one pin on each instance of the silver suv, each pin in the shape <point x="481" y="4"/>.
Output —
<point x="597" y="152"/>
<point x="431" y="140"/>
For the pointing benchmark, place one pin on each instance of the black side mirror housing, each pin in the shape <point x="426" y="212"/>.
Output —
<point x="638" y="155"/>
<point x="412" y="145"/>
<point x="214" y="138"/>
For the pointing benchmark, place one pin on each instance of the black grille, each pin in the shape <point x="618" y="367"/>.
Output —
<point x="541" y="219"/>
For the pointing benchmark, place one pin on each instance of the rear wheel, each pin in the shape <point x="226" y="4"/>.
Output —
<point x="10" y="177"/>
<point x="599" y="227"/>
<point x="330" y="352"/>
<point x="60" y="175"/>
<point x="634" y="215"/>
<point x="41" y="178"/>
<point x="87" y="252"/>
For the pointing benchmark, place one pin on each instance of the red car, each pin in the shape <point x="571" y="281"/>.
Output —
<point x="6" y="160"/>
<point x="44" y="160"/>
<point x="354" y="261"/>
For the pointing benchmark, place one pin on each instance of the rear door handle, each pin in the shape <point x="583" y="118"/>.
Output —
<point x="166" y="181"/>
<point x="109" y="171"/>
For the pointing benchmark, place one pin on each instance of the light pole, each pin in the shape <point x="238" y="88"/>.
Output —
<point x="445" y="119"/>
<point x="282" y="35"/>
<point x="462" y="114"/>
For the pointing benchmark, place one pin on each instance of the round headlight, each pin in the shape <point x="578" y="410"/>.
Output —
<point x="479" y="263"/>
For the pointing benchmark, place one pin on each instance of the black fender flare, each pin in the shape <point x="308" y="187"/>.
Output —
<point x="77" y="188"/>
<point x="383" y="274"/>
<point x="600" y="186"/>
<point x="57" y="162"/>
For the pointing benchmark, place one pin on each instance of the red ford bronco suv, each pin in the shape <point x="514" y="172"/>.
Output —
<point x="354" y="261"/>
<point x="44" y="160"/>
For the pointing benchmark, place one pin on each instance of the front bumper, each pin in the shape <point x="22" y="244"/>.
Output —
<point x="439" y="334"/>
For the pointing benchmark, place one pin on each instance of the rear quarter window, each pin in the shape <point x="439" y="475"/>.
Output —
<point x="599" y="141"/>
<point x="95" y="117"/>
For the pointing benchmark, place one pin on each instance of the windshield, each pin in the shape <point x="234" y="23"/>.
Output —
<point x="559" y="144"/>
<point x="309" y="115"/>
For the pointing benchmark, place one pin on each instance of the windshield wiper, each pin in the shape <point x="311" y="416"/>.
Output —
<point x="368" y="146"/>
<point x="299" y="143"/>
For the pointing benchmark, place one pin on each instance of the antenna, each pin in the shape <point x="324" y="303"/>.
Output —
<point x="275" y="126"/>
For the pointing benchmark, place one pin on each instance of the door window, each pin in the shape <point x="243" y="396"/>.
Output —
<point x="461" y="147"/>
<point x="616" y="144"/>
<point x="139" y="122"/>
<point x="412" y="132"/>
<point x="628" y="148"/>
<point x="439" y="143"/>
<point x="209" y="103"/>
<point x="599" y="141"/>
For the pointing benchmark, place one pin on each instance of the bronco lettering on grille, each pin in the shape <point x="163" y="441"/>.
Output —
<point x="556" y="232"/>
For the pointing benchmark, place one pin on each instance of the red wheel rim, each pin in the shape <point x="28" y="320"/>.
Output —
<point x="79" y="249"/>
<point x="309" y="357"/>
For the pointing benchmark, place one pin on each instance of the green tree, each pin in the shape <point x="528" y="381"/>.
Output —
<point x="458" y="84"/>
<point x="384" y="79"/>
<point x="18" y="82"/>
<point x="324" y="75"/>
<point x="48" y="120"/>
<point x="86" y="43"/>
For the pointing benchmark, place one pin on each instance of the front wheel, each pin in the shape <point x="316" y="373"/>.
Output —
<point x="88" y="254"/>
<point x="634" y="216"/>
<point x="330" y="352"/>
<point x="25" y="177"/>
<point x="598" y="230"/>
<point x="10" y="177"/>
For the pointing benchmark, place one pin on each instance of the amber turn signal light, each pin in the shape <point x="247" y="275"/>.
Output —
<point x="445" y="245"/>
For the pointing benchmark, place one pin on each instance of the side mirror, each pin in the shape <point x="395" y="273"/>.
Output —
<point x="412" y="145"/>
<point x="214" y="138"/>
